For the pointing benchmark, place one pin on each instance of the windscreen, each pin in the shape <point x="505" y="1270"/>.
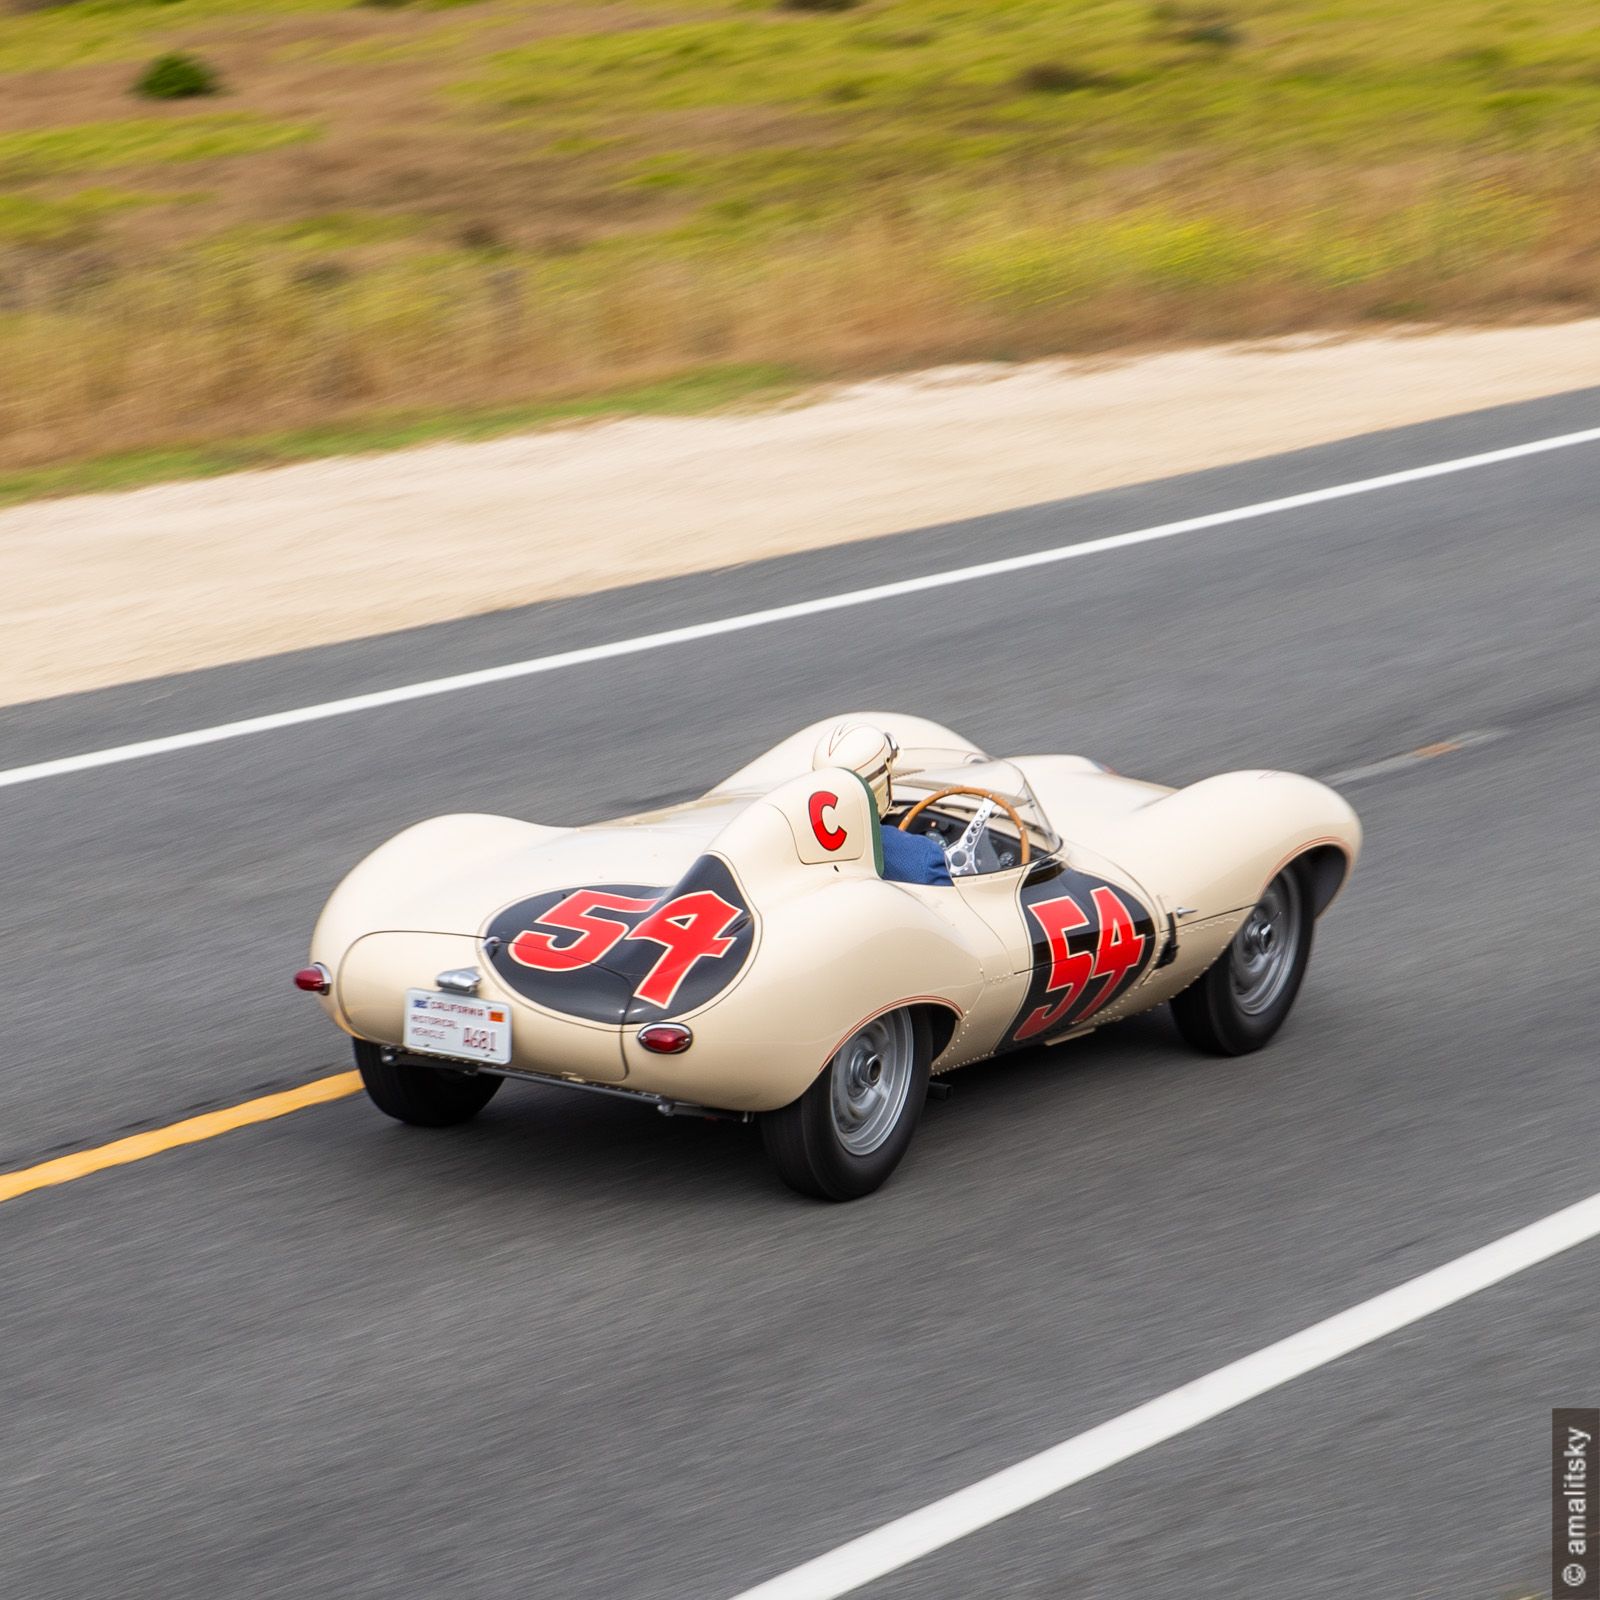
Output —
<point x="919" y="773"/>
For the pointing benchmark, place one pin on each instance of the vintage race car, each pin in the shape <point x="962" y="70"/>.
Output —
<point x="743" y="954"/>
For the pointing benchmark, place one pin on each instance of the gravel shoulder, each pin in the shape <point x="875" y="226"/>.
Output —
<point x="106" y="589"/>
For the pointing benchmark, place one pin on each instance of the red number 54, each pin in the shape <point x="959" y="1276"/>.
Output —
<point x="1118" y="951"/>
<point x="690" y="929"/>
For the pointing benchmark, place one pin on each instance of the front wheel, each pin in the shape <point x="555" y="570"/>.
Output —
<point x="1246" y="994"/>
<point x="844" y="1136"/>
<point x="427" y="1097"/>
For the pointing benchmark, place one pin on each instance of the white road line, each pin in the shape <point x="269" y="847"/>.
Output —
<point x="904" y="1540"/>
<point x="759" y="619"/>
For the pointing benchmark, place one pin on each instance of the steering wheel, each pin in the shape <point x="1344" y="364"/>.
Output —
<point x="981" y="794"/>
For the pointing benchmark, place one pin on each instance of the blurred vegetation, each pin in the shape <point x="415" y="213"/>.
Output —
<point x="95" y="146"/>
<point x="469" y="210"/>
<point x="176" y="76"/>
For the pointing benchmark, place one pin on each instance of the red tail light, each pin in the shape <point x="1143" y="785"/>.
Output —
<point x="314" y="980"/>
<point x="666" y="1038"/>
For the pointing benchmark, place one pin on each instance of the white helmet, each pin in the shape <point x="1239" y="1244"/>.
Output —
<point x="865" y="750"/>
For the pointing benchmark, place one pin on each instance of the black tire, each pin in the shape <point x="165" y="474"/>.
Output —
<point x="1246" y="994"/>
<point x="426" y="1097"/>
<point x="839" y="1142"/>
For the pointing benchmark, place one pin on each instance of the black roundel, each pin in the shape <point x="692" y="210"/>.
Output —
<point x="1092" y="941"/>
<point x="625" y="952"/>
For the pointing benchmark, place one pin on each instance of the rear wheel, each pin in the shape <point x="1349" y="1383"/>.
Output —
<point x="1249" y="990"/>
<point x="844" y="1136"/>
<point x="428" y="1097"/>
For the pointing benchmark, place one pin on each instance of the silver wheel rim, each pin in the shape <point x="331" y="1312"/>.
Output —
<point x="871" y="1079"/>
<point x="1266" y="947"/>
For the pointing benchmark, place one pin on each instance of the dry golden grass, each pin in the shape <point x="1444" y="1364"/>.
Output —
<point x="489" y="205"/>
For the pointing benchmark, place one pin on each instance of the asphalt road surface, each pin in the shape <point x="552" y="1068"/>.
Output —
<point x="577" y="1350"/>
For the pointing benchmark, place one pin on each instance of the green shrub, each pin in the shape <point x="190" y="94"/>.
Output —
<point x="1488" y="59"/>
<point x="482" y="236"/>
<point x="322" y="275"/>
<point x="176" y="77"/>
<point x="1051" y="77"/>
<point x="1214" y="29"/>
<point x="1217" y="32"/>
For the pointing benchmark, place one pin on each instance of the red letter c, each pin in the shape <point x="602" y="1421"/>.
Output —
<point x="828" y="838"/>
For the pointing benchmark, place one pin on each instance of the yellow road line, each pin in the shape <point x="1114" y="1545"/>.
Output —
<point x="192" y="1130"/>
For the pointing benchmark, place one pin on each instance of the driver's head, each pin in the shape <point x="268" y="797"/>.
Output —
<point x="865" y="750"/>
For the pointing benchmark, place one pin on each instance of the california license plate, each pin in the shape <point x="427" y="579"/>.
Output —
<point x="456" y="1025"/>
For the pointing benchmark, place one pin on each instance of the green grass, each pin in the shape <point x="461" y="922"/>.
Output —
<point x="141" y="141"/>
<point x="925" y="106"/>
<point x="319" y="233"/>
<point x="30" y="220"/>
<point x="92" y="32"/>
<point x="1343" y="77"/>
<point x="528" y="199"/>
<point x="689" y="394"/>
<point x="1448" y="236"/>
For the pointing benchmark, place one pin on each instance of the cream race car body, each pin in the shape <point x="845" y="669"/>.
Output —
<point x="826" y="943"/>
